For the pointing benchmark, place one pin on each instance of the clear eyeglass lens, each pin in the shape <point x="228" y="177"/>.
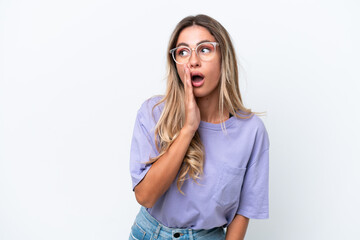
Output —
<point x="206" y="51"/>
<point x="182" y="53"/>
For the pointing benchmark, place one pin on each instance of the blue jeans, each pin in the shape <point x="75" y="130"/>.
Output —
<point x="146" y="227"/>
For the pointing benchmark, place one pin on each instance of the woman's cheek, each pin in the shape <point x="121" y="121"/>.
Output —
<point x="181" y="74"/>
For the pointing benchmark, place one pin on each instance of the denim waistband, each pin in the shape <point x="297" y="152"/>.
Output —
<point x="149" y="224"/>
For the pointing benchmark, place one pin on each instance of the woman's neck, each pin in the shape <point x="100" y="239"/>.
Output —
<point x="209" y="110"/>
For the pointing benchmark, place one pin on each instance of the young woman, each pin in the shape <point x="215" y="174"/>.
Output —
<point x="199" y="159"/>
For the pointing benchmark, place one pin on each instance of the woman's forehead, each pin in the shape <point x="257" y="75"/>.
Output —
<point x="193" y="35"/>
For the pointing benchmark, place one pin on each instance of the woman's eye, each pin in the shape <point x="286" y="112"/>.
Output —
<point x="182" y="52"/>
<point x="205" y="50"/>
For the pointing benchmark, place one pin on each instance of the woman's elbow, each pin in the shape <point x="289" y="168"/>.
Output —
<point x="143" y="199"/>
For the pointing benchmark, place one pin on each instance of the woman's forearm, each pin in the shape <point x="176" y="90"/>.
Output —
<point x="237" y="228"/>
<point x="163" y="172"/>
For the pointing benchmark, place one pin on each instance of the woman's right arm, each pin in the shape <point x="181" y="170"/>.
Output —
<point x="164" y="171"/>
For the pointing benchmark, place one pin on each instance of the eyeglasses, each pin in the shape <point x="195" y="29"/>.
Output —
<point x="205" y="51"/>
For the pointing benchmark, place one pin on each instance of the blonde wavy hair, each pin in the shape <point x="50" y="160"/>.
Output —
<point x="173" y="115"/>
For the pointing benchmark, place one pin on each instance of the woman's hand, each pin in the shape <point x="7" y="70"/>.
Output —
<point x="192" y="111"/>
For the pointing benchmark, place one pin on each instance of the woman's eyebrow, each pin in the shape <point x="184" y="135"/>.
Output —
<point x="185" y="44"/>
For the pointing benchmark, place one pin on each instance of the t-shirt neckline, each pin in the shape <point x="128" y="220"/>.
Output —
<point x="217" y="126"/>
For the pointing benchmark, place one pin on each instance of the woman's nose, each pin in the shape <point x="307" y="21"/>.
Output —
<point x="194" y="59"/>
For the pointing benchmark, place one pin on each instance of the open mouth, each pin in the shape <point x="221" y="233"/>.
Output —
<point x="197" y="77"/>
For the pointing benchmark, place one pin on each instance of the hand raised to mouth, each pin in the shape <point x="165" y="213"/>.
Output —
<point x="192" y="111"/>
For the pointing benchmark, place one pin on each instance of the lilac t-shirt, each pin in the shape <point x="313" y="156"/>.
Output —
<point x="235" y="179"/>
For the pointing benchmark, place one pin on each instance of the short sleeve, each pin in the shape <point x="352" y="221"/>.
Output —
<point x="254" y="198"/>
<point x="142" y="147"/>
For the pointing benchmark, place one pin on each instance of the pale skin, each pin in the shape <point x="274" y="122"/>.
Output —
<point x="201" y="103"/>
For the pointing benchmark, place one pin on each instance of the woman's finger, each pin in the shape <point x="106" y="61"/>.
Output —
<point x="187" y="83"/>
<point x="192" y="112"/>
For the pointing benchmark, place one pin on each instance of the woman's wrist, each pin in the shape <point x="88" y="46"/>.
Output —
<point x="187" y="131"/>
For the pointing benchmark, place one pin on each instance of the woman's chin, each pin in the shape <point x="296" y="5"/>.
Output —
<point x="199" y="94"/>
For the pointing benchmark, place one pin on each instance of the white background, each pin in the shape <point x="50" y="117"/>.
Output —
<point x="74" y="73"/>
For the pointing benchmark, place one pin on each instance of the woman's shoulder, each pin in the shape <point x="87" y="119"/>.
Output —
<point x="253" y="122"/>
<point x="150" y="109"/>
<point x="149" y="103"/>
<point x="255" y="127"/>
